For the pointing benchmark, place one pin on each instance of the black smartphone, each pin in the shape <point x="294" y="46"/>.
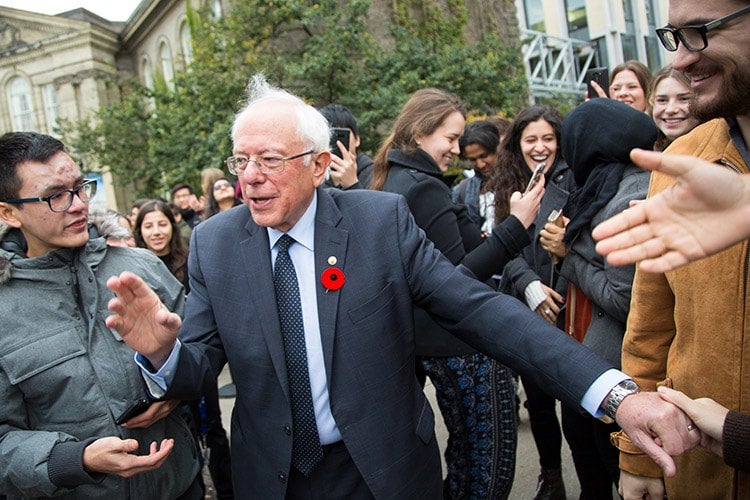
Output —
<point x="600" y="76"/>
<point x="136" y="408"/>
<point x="538" y="171"/>
<point x="339" y="134"/>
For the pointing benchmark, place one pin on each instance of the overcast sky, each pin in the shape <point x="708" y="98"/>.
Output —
<point x="112" y="10"/>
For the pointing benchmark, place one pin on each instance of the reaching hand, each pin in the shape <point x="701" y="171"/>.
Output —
<point x="525" y="207"/>
<point x="645" y="417"/>
<point x="112" y="455"/>
<point x="706" y="210"/>
<point x="707" y="415"/>
<point x="141" y="319"/>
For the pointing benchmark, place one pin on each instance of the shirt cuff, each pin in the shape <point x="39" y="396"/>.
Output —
<point x="592" y="400"/>
<point x="535" y="294"/>
<point x="158" y="382"/>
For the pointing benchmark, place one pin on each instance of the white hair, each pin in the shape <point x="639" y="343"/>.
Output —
<point x="312" y="127"/>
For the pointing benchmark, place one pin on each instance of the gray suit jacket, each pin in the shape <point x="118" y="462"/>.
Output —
<point x="367" y="335"/>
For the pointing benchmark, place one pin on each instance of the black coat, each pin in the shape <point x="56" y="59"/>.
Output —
<point x="418" y="178"/>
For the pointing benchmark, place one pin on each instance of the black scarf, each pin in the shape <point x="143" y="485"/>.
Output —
<point x="597" y="138"/>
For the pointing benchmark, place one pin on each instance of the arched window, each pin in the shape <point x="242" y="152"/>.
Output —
<point x="147" y="73"/>
<point x="21" y="104"/>
<point x="186" y="40"/>
<point x="165" y="61"/>
<point x="50" y="107"/>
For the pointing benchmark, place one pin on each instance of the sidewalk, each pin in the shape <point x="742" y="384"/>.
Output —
<point x="527" y="460"/>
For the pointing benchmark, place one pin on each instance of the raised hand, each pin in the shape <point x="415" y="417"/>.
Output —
<point x="343" y="167"/>
<point x="112" y="455"/>
<point x="706" y="210"/>
<point x="525" y="207"/>
<point x="141" y="319"/>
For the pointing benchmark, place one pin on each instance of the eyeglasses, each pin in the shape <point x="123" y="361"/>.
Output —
<point x="693" y="37"/>
<point x="266" y="164"/>
<point x="62" y="200"/>
<point x="222" y="185"/>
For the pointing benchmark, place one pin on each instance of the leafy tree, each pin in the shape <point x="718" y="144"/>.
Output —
<point x="321" y="50"/>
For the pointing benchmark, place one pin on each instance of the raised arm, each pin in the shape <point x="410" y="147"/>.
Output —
<point x="706" y="210"/>
<point x="141" y="319"/>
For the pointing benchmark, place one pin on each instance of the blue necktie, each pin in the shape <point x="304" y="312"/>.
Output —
<point x="306" y="449"/>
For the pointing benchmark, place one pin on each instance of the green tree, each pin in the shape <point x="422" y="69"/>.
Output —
<point x="321" y="50"/>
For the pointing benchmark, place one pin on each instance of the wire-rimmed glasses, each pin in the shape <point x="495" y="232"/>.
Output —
<point x="268" y="164"/>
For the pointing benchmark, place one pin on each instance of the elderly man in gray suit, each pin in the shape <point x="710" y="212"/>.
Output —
<point x="308" y="295"/>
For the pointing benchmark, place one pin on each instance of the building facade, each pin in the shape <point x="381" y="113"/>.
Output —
<point x="564" y="38"/>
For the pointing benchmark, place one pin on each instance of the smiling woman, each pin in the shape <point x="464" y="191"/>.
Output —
<point x="670" y="96"/>
<point x="156" y="230"/>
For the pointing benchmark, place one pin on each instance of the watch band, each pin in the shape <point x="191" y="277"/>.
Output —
<point x="616" y="395"/>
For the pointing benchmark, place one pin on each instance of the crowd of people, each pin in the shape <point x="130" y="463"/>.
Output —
<point x="334" y="284"/>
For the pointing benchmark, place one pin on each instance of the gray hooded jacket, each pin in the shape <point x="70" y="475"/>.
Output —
<point x="65" y="376"/>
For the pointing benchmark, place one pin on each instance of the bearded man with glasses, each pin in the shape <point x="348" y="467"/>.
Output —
<point x="688" y="328"/>
<point x="66" y="380"/>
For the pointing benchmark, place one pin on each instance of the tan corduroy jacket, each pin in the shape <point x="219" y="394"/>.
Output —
<point x="688" y="329"/>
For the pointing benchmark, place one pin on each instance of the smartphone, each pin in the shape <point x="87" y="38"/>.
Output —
<point x="538" y="172"/>
<point x="136" y="408"/>
<point x="339" y="134"/>
<point x="600" y="76"/>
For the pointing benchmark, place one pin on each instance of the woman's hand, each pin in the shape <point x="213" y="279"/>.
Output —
<point x="550" y="307"/>
<point x="525" y="207"/>
<point x="551" y="239"/>
<point x="343" y="167"/>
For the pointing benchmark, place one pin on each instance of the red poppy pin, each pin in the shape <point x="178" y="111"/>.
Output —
<point x="333" y="278"/>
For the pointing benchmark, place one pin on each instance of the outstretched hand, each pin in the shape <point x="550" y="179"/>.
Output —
<point x="658" y="428"/>
<point x="141" y="319"/>
<point x="704" y="211"/>
<point x="112" y="455"/>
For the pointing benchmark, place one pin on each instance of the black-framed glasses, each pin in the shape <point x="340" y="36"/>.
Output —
<point x="60" y="201"/>
<point x="266" y="164"/>
<point x="693" y="37"/>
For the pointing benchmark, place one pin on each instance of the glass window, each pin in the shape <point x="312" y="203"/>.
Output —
<point x="165" y="61"/>
<point x="21" y="104"/>
<point x="147" y="73"/>
<point x="534" y="15"/>
<point x="186" y="41"/>
<point x="50" y="107"/>
<point x="576" y="10"/>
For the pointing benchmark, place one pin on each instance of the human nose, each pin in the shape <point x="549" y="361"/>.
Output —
<point x="683" y="58"/>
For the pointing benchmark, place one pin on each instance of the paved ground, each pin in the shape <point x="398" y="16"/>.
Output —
<point x="527" y="460"/>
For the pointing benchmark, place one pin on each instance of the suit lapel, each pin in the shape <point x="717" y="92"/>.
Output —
<point x="330" y="243"/>
<point x="256" y="254"/>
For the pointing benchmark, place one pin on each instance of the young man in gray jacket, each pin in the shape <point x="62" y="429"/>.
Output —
<point x="65" y="378"/>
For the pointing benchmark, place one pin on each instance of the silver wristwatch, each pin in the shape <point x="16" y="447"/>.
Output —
<point x="615" y="397"/>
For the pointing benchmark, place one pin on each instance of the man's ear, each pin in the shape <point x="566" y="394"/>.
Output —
<point x="320" y="165"/>
<point x="8" y="213"/>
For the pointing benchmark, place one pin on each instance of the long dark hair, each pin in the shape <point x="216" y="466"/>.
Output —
<point x="512" y="173"/>
<point x="422" y="114"/>
<point x="176" y="258"/>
